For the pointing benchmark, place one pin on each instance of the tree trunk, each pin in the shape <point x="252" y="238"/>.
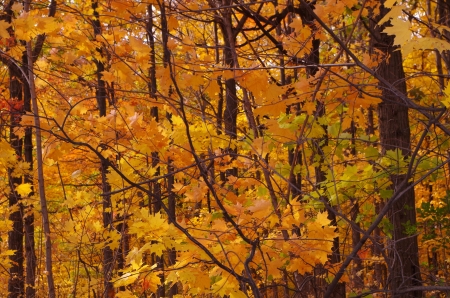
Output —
<point x="395" y="135"/>
<point x="15" y="236"/>
<point x="30" y="254"/>
<point x="231" y="102"/>
<point x="100" y="94"/>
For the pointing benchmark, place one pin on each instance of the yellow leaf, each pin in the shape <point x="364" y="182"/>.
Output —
<point x="8" y="252"/>
<point x="389" y="3"/>
<point x="126" y="279"/>
<point x="3" y="29"/>
<point x="24" y="189"/>
<point x="171" y="44"/>
<point x="151" y="282"/>
<point x="260" y="146"/>
<point x="27" y="119"/>
<point x="261" y="208"/>
<point x="125" y="294"/>
<point x="46" y="25"/>
<point x="177" y="187"/>
<point x="108" y="77"/>
<point x="296" y="24"/>
<point x="172" y="23"/>
<point x="237" y="294"/>
<point x="309" y="107"/>
<point x="17" y="7"/>
<point x="322" y="219"/>
<point x="19" y="131"/>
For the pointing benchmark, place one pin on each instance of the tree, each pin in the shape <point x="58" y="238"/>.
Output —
<point x="225" y="148"/>
<point x="395" y="135"/>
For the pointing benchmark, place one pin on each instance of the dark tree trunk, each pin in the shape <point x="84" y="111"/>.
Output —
<point x="15" y="236"/>
<point x="395" y="135"/>
<point x="231" y="101"/>
<point x="101" y="96"/>
<point x="30" y="254"/>
<point x="335" y="256"/>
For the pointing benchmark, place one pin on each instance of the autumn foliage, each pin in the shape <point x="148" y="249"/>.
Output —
<point x="219" y="148"/>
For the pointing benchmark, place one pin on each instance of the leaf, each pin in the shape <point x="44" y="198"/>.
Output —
<point x="309" y="107"/>
<point x="125" y="294"/>
<point x="108" y="76"/>
<point x="260" y="146"/>
<point x="4" y="29"/>
<point x="237" y="294"/>
<point x="17" y="7"/>
<point x="171" y="44"/>
<point x="172" y="23"/>
<point x="126" y="279"/>
<point x="134" y="258"/>
<point x="151" y="282"/>
<point x="19" y="131"/>
<point x="389" y="3"/>
<point x="322" y="219"/>
<point x="297" y="24"/>
<point x="27" y="119"/>
<point x="261" y="208"/>
<point x="371" y="152"/>
<point x="24" y="189"/>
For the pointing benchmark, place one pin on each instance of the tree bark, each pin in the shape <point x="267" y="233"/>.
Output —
<point x="15" y="236"/>
<point x="231" y="102"/>
<point x="101" y="96"/>
<point x="30" y="254"/>
<point x="395" y="135"/>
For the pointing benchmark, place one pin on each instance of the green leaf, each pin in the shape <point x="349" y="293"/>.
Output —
<point x="371" y="153"/>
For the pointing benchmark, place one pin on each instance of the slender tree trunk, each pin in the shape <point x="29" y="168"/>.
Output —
<point x="101" y="96"/>
<point x="378" y="267"/>
<point x="335" y="256"/>
<point x="15" y="236"/>
<point x="231" y="102"/>
<point x="28" y="59"/>
<point x="30" y="254"/>
<point x="395" y="135"/>
<point x="318" y="146"/>
<point x="40" y="170"/>
<point x="171" y="254"/>
<point x="443" y="17"/>
<point x="357" y="283"/>
<point x="219" y="115"/>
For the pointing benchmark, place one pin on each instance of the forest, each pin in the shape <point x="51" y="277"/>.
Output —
<point x="224" y="148"/>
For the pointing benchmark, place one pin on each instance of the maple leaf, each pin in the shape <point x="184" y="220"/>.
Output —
<point x="108" y="76"/>
<point x="322" y="219"/>
<point x="19" y="131"/>
<point x="27" y="119"/>
<point x="126" y="279"/>
<point x="17" y="7"/>
<point x="24" y="189"/>
<point x="260" y="146"/>
<point x="261" y="208"/>
<point x="297" y="24"/>
<point x="151" y="282"/>
<point x="134" y="257"/>
<point x="172" y="23"/>
<point x="4" y="29"/>
<point x="389" y="3"/>
<point x="309" y="107"/>
<point x="171" y="44"/>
